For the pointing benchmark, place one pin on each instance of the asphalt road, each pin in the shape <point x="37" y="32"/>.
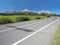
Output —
<point x="12" y="33"/>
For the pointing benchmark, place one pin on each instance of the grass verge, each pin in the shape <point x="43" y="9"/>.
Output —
<point x="19" y="18"/>
<point x="56" y="40"/>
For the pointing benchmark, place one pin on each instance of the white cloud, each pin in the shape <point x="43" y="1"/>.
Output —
<point x="44" y="11"/>
<point x="26" y="10"/>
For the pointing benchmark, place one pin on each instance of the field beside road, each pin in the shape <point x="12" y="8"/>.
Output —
<point x="56" y="40"/>
<point x="14" y="18"/>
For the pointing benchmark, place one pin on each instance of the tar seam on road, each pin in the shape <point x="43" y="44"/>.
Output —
<point x="13" y="28"/>
<point x="33" y="33"/>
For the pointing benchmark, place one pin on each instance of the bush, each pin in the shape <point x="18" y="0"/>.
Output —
<point x="20" y="19"/>
<point x="48" y="16"/>
<point x="37" y="18"/>
<point x="5" y="21"/>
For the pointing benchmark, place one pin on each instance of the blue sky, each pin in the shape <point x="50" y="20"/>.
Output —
<point x="36" y="5"/>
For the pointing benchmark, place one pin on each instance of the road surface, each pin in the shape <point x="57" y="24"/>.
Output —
<point x="37" y="32"/>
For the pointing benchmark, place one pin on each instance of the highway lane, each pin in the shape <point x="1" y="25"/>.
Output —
<point x="43" y="37"/>
<point x="20" y="30"/>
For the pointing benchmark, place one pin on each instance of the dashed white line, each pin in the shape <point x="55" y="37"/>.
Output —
<point x="33" y="33"/>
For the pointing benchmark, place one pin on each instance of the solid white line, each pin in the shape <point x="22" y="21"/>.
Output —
<point x="33" y="33"/>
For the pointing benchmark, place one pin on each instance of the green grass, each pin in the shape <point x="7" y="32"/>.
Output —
<point x="13" y="18"/>
<point x="56" y="40"/>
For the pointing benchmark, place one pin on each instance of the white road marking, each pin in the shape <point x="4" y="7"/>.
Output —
<point x="33" y="33"/>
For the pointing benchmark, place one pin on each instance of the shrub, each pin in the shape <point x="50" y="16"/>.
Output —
<point x="48" y="16"/>
<point x="5" y="21"/>
<point x="22" y="19"/>
<point x="37" y="18"/>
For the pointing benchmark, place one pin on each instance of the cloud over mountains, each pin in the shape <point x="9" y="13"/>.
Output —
<point x="42" y="11"/>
